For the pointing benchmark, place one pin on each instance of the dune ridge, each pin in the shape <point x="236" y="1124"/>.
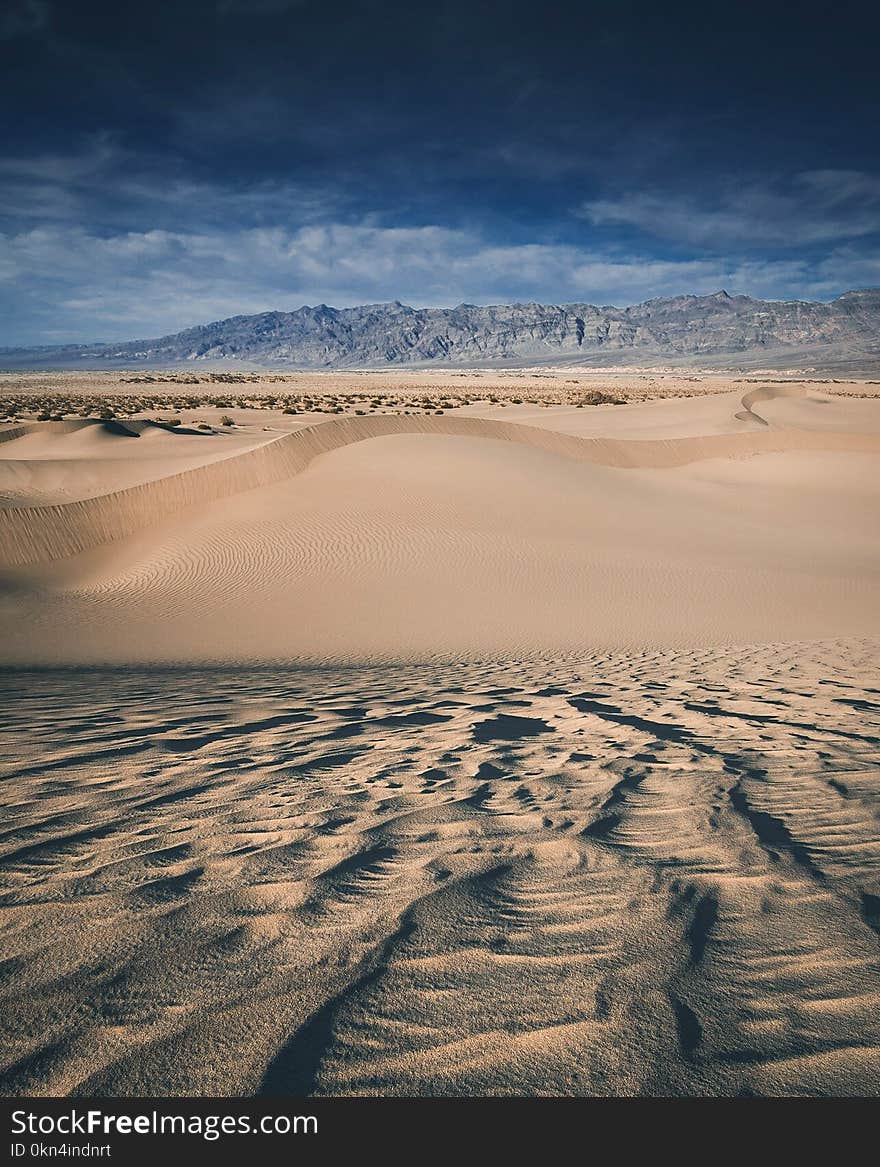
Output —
<point x="41" y="534"/>
<point x="765" y="393"/>
<point x="133" y="428"/>
<point x="18" y="431"/>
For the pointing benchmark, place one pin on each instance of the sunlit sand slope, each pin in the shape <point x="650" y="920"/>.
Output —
<point x="412" y="537"/>
<point x="44" y="533"/>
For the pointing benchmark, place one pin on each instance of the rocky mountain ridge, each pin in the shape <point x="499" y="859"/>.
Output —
<point x="715" y="330"/>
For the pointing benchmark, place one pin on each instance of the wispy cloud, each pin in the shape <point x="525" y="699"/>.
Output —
<point x="64" y="282"/>
<point x="813" y="207"/>
<point x="103" y="183"/>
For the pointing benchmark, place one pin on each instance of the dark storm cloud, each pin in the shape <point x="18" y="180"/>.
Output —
<point x="167" y="162"/>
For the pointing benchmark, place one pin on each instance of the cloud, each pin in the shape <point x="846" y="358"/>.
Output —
<point x="103" y="183"/>
<point x="23" y="18"/>
<point x="64" y="282"/>
<point x="814" y="207"/>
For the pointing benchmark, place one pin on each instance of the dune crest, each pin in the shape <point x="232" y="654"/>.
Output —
<point x="41" y="534"/>
<point x="766" y="393"/>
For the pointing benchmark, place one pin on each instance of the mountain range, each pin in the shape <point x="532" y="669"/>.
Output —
<point x="713" y="331"/>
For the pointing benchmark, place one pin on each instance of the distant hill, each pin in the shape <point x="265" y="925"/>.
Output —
<point x="715" y="331"/>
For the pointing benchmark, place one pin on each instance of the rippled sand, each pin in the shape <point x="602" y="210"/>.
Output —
<point x="645" y="873"/>
<point x="599" y="817"/>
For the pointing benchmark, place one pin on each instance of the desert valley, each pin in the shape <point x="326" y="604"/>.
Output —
<point x="507" y="731"/>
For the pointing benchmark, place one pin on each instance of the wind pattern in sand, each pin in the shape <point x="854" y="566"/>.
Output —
<point x="650" y="873"/>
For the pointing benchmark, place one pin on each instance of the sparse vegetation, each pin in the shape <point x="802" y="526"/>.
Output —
<point x="600" y="397"/>
<point x="32" y="396"/>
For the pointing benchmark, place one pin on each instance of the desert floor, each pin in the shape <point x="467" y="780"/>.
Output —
<point x="413" y="742"/>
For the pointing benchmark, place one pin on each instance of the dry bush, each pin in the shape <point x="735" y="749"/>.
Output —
<point x="600" y="397"/>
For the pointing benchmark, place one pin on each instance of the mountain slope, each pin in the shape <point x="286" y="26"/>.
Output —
<point x="715" y="330"/>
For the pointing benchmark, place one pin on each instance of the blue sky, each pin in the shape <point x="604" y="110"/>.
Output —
<point x="167" y="164"/>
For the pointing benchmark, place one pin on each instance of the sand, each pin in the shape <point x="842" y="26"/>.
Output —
<point x="519" y="749"/>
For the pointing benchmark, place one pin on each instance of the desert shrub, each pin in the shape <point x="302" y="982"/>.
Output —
<point x="226" y="420"/>
<point x="600" y="397"/>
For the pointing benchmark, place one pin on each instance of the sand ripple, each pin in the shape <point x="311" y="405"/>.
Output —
<point x="651" y="872"/>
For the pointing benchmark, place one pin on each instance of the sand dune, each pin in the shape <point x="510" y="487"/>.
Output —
<point x="41" y="534"/>
<point x="538" y="756"/>
<point x="408" y="537"/>
<point x="60" y="462"/>
<point x="644" y="873"/>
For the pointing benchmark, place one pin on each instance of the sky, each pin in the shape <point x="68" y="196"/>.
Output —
<point x="165" y="164"/>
